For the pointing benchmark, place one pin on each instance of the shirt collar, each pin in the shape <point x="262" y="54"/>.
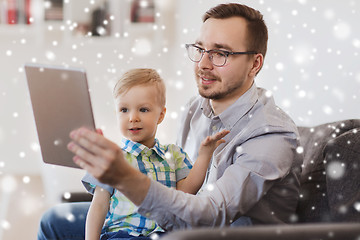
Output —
<point x="236" y="111"/>
<point x="136" y="148"/>
<point x="206" y="108"/>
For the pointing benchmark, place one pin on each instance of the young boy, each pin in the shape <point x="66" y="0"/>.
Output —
<point x="140" y="107"/>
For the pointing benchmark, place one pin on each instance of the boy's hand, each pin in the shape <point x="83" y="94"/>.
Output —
<point x="99" y="131"/>
<point x="210" y="143"/>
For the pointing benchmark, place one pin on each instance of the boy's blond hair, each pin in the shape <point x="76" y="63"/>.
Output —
<point x="141" y="76"/>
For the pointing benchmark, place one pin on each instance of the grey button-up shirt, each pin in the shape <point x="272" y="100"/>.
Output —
<point x="253" y="177"/>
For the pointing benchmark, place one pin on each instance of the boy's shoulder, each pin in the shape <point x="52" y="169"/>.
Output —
<point x="172" y="149"/>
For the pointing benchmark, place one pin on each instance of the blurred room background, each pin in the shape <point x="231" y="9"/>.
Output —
<point x="311" y="67"/>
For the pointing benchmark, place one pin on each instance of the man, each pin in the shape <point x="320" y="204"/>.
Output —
<point x="253" y="177"/>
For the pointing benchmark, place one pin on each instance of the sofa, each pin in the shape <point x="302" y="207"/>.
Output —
<point x="329" y="205"/>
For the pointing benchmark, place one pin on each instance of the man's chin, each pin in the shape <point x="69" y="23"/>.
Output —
<point x="209" y="95"/>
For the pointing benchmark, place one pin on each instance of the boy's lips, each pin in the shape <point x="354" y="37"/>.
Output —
<point x="134" y="130"/>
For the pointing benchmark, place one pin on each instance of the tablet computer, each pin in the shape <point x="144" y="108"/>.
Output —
<point x="60" y="101"/>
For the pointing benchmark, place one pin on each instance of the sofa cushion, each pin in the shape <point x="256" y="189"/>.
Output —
<point x="343" y="176"/>
<point x="313" y="203"/>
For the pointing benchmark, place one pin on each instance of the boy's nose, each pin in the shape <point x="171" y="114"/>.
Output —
<point x="134" y="117"/>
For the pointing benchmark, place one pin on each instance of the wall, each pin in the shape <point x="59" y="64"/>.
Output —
<point x="312" y="63"/>
<point x="312" y="68"/>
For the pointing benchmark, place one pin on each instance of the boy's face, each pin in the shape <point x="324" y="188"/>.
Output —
<point x="139" y="112"/>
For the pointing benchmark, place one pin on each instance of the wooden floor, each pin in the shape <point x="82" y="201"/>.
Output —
<point x="22" y="202"/>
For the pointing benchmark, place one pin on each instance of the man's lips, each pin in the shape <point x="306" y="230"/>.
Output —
<point x="207" y="79"/>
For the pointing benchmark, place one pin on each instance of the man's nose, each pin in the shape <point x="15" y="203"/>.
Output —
<point x="205" y="62"/>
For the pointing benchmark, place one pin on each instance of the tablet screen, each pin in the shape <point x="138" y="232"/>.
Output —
<point x="60" y="101"/>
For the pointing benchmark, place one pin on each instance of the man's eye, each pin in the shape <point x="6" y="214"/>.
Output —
<point x="198" y="50"/>
<point x="144" y="109"/>
<point x="218" y="54"/>
<point x="124" y="110"/>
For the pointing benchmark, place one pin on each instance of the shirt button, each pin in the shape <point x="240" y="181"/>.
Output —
<point x="214" y="128"/>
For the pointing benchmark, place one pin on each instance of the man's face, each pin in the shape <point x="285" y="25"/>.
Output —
<point x="235" y="77"/>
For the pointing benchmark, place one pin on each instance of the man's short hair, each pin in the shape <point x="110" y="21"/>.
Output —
<point x="141" y="76"/>
<point x="256" y="27"/>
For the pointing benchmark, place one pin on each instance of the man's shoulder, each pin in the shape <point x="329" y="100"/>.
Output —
<point x="267" y="117"/>
<point x="276" y="124"/>
<point x="194" y="102"/>
<point x="192" y="107"/>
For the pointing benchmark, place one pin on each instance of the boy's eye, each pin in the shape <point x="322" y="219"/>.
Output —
<point x="124" y="110"/>
<point x="144" y="110"/>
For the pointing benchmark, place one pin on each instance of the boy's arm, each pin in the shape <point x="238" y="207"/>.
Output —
<point x="97" y="213"/>
<point x="193" y="182"/>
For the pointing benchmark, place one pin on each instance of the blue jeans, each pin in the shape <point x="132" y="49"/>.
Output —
<point x="64" y="222"/>
<point x="67" y="222"/>
<point x="122" y="235"/>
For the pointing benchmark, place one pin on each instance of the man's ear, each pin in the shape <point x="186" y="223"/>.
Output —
<point x="162" y="115"/>
<point x="257" y="64"/>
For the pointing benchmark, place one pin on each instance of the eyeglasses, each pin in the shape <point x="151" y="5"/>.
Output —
<point x="217" y="57"/>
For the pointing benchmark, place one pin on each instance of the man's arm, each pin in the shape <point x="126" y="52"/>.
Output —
<point x="240" y="187"/>
<point x="97" y="213"/>
<point x="193" y="182"/>
<point x="245" y="189"/>
<point x="104" y="160"/>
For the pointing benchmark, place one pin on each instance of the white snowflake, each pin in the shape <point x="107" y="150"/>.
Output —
<point x="8" y="184"/>
<point x="342" y="30"/>
<point x="335" y="170"/>
<point x="300" y="149"/>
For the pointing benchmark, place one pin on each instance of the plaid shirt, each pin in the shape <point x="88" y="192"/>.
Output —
<point x="166" y="164"/>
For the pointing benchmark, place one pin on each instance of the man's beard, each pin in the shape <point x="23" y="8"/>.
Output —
<point x="202" y="88"/>
<point x="216" y="95"/>
<point x="211" y="95"/>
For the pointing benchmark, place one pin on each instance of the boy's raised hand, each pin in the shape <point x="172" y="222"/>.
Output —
<point x="210" y="143"/>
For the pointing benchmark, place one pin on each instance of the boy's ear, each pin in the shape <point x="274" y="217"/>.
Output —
<point x="162" y="115"/>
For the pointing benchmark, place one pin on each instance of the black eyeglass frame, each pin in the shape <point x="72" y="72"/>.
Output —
<point x="226" y="53"/>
